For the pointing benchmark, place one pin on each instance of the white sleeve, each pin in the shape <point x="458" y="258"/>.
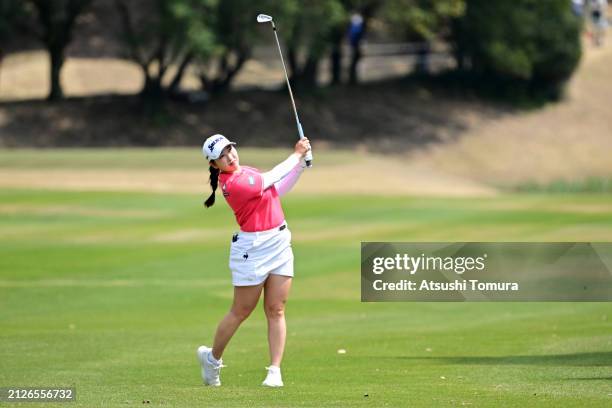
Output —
<point x="280" y="171"/>
<point x="286" y="184"/>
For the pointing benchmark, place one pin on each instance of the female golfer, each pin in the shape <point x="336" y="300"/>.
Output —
<point x="261" y="258"/>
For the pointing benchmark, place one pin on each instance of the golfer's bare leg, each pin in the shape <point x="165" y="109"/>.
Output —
<point x="276" y="291"/>
<point x="245" y="300"/>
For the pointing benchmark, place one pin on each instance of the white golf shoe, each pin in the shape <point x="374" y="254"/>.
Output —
<point x="210" y="369"/>
<point x="274" y="378"/>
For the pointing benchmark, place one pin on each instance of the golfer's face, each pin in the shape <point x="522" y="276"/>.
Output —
<point x="228" y="161"/>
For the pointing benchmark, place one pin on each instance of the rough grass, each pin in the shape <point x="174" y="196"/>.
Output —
<point x="565" y="141"/>
<point x="589" y="185"/>
<point x="111" y="292"/>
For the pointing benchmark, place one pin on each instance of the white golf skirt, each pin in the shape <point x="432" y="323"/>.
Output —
<point x="256" y="255"/>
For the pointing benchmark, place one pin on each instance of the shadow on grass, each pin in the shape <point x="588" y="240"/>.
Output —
<point x="593" y="359"/>
<point x="397" y="115"/>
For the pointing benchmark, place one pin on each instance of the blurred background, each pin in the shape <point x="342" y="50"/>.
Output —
<point x="498" y="94"/>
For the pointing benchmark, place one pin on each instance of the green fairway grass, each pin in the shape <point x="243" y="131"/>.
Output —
<point x="112" y="292"/>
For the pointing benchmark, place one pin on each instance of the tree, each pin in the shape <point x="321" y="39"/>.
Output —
<point x="49" y="21"/>
<point x="10" y="11"/>
<point x="423" y="21"/>
<point x="530" y="46"/>
<point x="166" y="33"/>
<point x="309" y="35"/>
<point x="236" y="32"/>
<point x="57" y="19"/>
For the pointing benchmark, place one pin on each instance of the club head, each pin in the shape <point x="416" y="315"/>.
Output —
<point x="264" y="18"/>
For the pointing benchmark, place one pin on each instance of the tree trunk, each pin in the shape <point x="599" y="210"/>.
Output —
<point x="56" y="55"/>
<point x="336" y="62"/>
<point x="1" y="58"/>
<point x="176" y="81"/>
<point x="152" y="93"/>
<point x="309" y="74"/>
<point x="230" y="71"/>
<point x="57" y="20"/>
<point x="152" y="88"/>
<point x="336" y="38"/>
<point x="293" y="64"/>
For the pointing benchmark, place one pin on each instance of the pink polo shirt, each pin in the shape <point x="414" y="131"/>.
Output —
<point x="255" y="209"/>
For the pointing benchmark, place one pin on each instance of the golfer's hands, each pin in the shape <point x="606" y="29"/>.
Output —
<point x="302" y="147"/>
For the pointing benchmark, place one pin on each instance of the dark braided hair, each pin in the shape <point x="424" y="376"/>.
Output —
<point x="214" y="181"/>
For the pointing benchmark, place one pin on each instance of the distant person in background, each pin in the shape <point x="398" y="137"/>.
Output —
<point x="578" y="7"/>
<point x="356" y="33"/>
<point x="599" y="20"/>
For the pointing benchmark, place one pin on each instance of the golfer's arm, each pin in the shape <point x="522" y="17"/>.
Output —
<point x="287" y="183"/>
<point x="280" y="171"/>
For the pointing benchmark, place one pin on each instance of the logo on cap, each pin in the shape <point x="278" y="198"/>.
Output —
<point x="214" y="142"/>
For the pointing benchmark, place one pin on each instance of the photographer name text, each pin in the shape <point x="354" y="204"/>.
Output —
<point x="414" y="264"/>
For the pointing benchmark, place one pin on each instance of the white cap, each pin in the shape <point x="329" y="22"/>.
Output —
<point x="214" y="145"/>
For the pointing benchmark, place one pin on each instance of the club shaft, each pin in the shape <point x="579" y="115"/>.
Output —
<point x="280" y="52"/>
<point x="308" y="157"/>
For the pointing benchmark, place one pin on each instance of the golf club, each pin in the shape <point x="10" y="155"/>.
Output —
<point x="264" y="18"/>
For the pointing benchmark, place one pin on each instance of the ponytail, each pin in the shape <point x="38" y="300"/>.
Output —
<point x="214" y="181"/>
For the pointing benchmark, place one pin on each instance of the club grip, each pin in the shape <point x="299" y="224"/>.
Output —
<point x="308" y="157"/>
